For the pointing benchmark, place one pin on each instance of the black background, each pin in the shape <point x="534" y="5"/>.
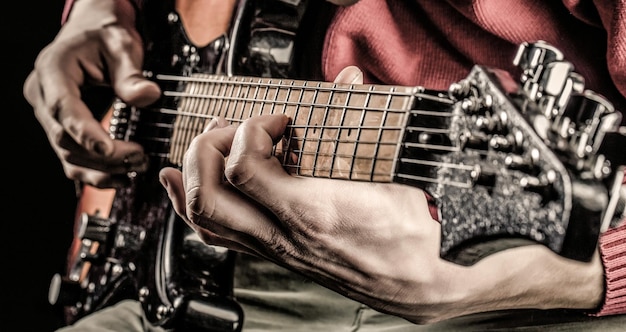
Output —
<point x="38" y="201"/>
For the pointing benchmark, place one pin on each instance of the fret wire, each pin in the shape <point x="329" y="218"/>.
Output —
<point x="245" y="102"/>
<point x="308" y="123"/>
<point x="358" y="130"/>
<point x="212" y="103"/>
<point x="380" y="133"/>
<point x="201" y="124"/>
<point x="287" y="140"/>
<point x="184" y="123"/>
<point x="260" y="105"/>
<point x="338" y="136"/>
<point x="295" y="116"/>
<point x="233" y="99"/>
<point x="222" y="92"/>
<point x="252" y="102"/>
<point x="321" y="131"/>
<point x="273" y="109"/>
<point x="236" y="104"/>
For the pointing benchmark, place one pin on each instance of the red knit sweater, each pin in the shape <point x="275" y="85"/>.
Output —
<point x="435" y="42"/>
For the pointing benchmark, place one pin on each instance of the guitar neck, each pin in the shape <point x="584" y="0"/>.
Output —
<point x="339" y="131"/>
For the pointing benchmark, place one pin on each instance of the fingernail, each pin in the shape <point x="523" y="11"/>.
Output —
<point x="357" y="77"/>
<point x="212" y="124"/>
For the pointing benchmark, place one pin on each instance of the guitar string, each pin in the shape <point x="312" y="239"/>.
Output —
<point x="203" y="97"/>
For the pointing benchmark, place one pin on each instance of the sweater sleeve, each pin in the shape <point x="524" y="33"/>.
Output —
<point x="613" y="253"/>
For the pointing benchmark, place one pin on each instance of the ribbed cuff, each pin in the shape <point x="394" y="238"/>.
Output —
<point x="613" y="253"/>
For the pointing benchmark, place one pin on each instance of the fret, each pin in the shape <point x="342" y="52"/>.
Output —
<point x="236" y="95"/>
<point x="221" y="92"/>
<point x="270" y="98"/>
<point x="380" y="133"/>
<point x="278" y="150"/>
<point x="292" y="108"/>
<point x="201" y="106"/>
<point x="211" y="90"/>
<point x="320" y="158"/>
<point x="361" y="118"/>
<point x="334" y="164"/>
<point x="252" y="102"/>
<point x="306" y="153"/>
<point x="244" y="96"/>
<point x="263" y="100"/>
<point x="231" y="97"/>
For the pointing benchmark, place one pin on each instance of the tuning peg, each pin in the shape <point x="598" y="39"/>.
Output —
<point x="586" y="119"/>
<point x="531" y="56"/>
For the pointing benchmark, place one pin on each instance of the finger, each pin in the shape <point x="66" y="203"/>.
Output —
<point x="251" y="167"/>
<point x="124" y="56"/>
<point x="206" y="200"/>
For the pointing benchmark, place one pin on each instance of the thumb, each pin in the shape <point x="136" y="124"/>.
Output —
<point x="350" y="75"/>
<point x="124" y="55"/>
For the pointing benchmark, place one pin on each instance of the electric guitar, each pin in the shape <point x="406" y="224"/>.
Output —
<point x="508" y="162"/>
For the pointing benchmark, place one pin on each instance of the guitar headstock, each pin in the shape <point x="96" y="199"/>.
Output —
<point x="541" y="157"/>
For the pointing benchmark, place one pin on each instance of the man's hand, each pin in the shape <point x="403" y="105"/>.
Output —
<point x="375" y="243"/>
<point x="97" y="46"/>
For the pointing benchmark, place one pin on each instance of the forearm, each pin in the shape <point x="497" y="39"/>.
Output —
<point x="528" y="277"/>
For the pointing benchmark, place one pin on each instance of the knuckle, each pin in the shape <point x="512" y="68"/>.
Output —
<point x="239" y="172"/>
<point x="197" y="207"/>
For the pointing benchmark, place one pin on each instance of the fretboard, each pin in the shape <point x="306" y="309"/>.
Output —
<point x="340" y="131"/>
